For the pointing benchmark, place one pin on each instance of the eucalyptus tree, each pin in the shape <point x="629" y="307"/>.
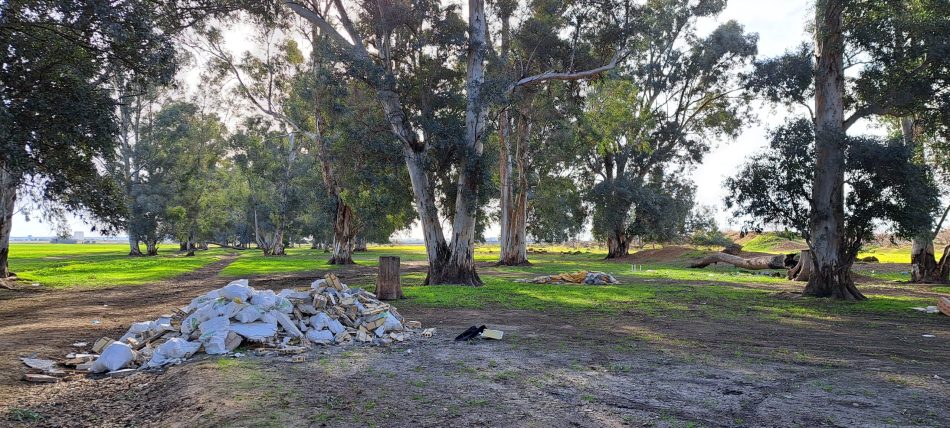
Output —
<point x="897" y="54"/>
<point x="531" y="114"/>
<point x="885" y="188"/>
<point x="57" y="115"/>
<point x="398" y="48"/>
<point x="678" y="92"/>
<point x="276" y="167"/>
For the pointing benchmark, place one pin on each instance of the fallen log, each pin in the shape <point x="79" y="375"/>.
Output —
<point x="752" y="263"/>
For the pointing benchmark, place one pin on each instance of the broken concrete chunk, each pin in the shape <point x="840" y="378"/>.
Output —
<point x="413" y="325"/>
<point x="428" y="332"/>
<point x="322" y="337"/>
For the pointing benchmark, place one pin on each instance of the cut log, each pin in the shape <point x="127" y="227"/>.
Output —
<point x="802" y="270"/>
<point x="388" y="286"/>
<point x="753" y="263"/>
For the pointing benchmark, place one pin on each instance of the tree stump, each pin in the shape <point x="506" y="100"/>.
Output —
<point x="388" y="286"/>
<point x="802" y="270"/>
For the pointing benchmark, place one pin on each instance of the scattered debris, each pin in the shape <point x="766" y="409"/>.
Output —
<point x="928" y="309"/>
<point x="492" y="334"/>
<point x="580" y="277"/>
<point x="39" y="364"/>
<point x="428" y="332"/>
<point x="929" y="335"/>
<point x="944" y="305"/>
<point x="40" y="378"/>
<point x="283" y="323"/>
<point x="80" y="344"/>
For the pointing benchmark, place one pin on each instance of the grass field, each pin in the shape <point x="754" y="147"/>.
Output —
<point x="668" y="287"/>
<point x="98" y="265"/>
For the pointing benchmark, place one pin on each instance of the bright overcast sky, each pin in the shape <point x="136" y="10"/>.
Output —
<point x="780" y="25"/>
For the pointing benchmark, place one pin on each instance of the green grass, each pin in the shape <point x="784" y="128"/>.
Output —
<point x="669" y="290"/>
<point x="769" y="243"/>
<point x="98" y="265"/>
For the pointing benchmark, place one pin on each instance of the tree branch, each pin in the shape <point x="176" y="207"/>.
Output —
<point x="565" y="76"/>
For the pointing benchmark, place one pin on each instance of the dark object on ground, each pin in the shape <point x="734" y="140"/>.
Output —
<point x="469" y="334"/>
<point x="869" y="259"/>
<point x="388" y="286"/>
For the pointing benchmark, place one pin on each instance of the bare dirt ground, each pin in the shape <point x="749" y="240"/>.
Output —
<point x="551" y="369"/>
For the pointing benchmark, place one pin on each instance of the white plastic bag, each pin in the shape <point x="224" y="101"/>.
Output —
<point x="214" y="335"/>
<point x="173" y="351"/>
<point x="237" y="290"/>
<point x="114" y="357"/>
<point x="255" y="331"/>
<point x="250" y="313"/>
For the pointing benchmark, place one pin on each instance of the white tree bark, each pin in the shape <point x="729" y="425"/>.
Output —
<point x="8" y="188"/>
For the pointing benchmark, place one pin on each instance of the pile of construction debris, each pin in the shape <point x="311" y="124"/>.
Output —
<point x="581" y="277"/>
<point x="287" y="322"/>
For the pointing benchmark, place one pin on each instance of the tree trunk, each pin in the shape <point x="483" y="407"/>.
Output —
<point x="923" y="260"/>
<point x="832" y="273"/>
<point x="151" y="247"/>
<point x="191" y="245"/>
<point x="802" y="270"/>
<point x="437" y="251"/>
<point x="753" y="263"/>
<point x="460" y="267"/>
<point x="343" y="234"/>
<point x="7" y="205"/>
<point x="359" y="244"/>
<point x="182" y="246"/>
<point x="618" y="244"/>
<point x="134" y="250"/>
<point x="388" y="286"/>
<point x="514" y="193"/>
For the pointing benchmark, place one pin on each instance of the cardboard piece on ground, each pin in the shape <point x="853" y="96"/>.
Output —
<point x="492" y="334"/>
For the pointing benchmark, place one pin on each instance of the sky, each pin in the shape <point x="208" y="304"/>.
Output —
<point x="780" y="26"/>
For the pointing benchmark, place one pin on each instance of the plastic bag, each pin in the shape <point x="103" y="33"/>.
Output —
<point x="250" y="313"/>
<point x="114" y="357"/>
<point x="255" y="331"/>
<point x="214" y="335"/>
<point x="173" y="351"/>
<point x="237" y="291"/>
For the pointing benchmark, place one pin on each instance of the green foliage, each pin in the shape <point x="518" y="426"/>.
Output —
<point x="883" y="185"/>
<point x="557" y="213"/>
<point x="676" y="93"/>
